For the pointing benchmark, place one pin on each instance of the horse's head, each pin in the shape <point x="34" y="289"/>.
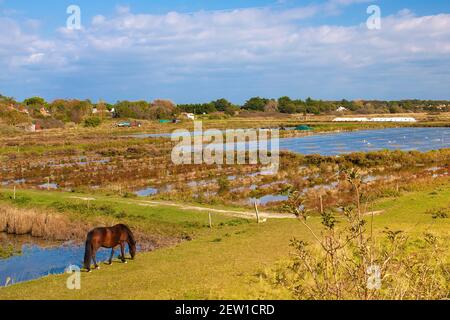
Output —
<point x="131" y="240"/>
<point x="132" y="246"/>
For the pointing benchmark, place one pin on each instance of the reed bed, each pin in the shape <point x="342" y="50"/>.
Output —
<point x="48" y="225"/>
<point x="38" y="223"/>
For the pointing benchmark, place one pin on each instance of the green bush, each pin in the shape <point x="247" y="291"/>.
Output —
<point x="92" y="122"/>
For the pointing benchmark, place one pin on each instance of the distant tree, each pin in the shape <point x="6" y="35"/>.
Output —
<point x="271" y="106"/>
<point x="101" y="109"/>
<point x="60" y="109"/>
<point x="255" y="104"/>
<point x="198" y="108"/>
<point x="162" y="109"/>
<point x="167" y="104"/>
<point x="312" y="106"/>
<point x="310" y="102"/>
<point x="367" y="109"/>
<point x="7" y="100"/>
<point x="132" y="109"/>
<point x="395" y="108"/>
<point x="232" y="110"/>
<point x="355" y="104"/>
<point x="222" y="104"/>
<point x="286" y="105"/>
<point x="78" y="110"/>
<point x="35" y="101"/>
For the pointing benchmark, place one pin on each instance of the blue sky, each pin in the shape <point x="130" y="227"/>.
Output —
<point x="195" y="51"/>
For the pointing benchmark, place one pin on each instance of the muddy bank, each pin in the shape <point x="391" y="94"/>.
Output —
<point x="51" y="226"/>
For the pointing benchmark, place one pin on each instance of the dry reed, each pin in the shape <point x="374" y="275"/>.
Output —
<point x="39" y="223"/>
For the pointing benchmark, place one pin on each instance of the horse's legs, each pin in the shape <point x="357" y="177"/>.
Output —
<point x="111" y="256"/>
<point x="94" y="253"/>
<point x="122" y="252"/>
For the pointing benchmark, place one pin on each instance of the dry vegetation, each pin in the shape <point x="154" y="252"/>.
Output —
<point x="111" y="163"/>
<point x="348" y="260"/>
<point x="48" y="224"/>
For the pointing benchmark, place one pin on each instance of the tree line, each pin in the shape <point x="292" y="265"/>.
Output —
<point x="58" y="112"/>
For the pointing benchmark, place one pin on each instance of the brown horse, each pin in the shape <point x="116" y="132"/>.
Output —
<point x="108" y="238"/>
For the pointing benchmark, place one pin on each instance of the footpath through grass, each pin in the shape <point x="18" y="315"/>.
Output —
<point x="159" y="219"/>
<point x="223" y="262"/>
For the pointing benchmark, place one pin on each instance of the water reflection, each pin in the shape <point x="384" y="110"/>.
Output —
<point x="39" y="258"/>
<point x="406" y="139"/>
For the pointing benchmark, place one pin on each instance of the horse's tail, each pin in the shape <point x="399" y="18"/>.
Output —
<point x="88" y="252"/>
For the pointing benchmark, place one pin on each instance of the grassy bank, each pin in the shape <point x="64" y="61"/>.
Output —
<point x="223" y="262"/>
<point x="159" y="220"/>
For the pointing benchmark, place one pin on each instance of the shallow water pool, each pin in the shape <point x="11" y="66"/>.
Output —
<point x="39" y="258"/>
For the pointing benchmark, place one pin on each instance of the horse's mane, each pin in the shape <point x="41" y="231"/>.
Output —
<point x="130" y="234"/>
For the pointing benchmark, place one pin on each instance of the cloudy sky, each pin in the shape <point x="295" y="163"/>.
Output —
<point x="199" y="50"/>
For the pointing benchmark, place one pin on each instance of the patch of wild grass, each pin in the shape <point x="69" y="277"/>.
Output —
<point x="89" y="209"/>
<point x="8" y="250"/>
<point x="439" y="213"/>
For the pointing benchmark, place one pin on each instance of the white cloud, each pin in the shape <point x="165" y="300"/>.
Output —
<point x="257" y="36"/>
<point x="213" y="44"/>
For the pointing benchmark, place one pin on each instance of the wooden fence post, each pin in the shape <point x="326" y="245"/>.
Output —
<point x="210" y="220"/>
<point x="257" y="212"/>
<point x="14" y="196"/>
<point x="321" y="204"/>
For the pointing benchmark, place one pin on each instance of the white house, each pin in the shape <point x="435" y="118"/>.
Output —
<point x="188" y="115"/>
<point x="341" y="109"/>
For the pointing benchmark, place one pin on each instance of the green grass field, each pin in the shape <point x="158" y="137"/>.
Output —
<point x="222" y="263"/>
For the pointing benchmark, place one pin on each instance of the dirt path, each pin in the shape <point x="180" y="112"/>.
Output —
<point x="240" y="214"/>
<point x="234" y="213"/>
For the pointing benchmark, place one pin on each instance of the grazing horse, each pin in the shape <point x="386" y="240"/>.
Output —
<point x="108" y="238"/>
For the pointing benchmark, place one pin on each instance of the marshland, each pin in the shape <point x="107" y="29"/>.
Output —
<point x="232" y="220"/>
<point x="257" y="150"/>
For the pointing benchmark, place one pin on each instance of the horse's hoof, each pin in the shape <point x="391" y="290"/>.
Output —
<point x="125" y="262"/>
<point x="98" y="267"/>
<point x="89" y="271"/>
